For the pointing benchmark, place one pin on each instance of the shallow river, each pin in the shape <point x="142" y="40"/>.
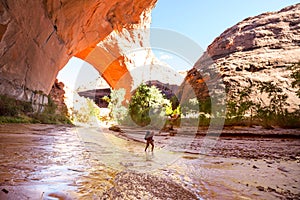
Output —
<point x="60" y="162"/>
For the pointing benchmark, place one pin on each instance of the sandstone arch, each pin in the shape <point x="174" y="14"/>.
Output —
<point x="37" y="38"/>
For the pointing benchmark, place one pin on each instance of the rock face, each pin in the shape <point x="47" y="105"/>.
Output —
<point x="258" y="49"/>
<point x="57" y="96"/>
<point x="37" y="38"/>
<point x="97" y="96"/>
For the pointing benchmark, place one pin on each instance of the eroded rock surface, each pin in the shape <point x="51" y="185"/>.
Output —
<point x="258" y="49"/>
<point x="39" y="37"/>
<point x="57" y="95"/>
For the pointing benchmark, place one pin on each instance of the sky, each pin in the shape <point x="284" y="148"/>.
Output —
<point x="204" y="20"/>
<point x="199" y="21"/>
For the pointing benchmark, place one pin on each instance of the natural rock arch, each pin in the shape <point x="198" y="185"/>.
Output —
<point x="39" y="37"/>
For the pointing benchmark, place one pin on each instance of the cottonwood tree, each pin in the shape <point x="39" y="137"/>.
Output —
<point x="147" y="103"/>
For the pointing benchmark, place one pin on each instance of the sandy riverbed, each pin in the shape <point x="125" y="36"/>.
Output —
<point x="59" y="162"/>
<point x="241" y="163"/>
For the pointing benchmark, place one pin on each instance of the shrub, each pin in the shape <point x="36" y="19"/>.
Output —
<point x="15" y="111"/>
<point x="12" y="107"/>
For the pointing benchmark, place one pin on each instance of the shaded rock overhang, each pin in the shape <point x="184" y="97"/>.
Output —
<point x="37" y="38"/>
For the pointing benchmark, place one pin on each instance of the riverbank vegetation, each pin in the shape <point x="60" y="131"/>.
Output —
<point x="16" y="111"/>
<point x="148" y="106"/>
<point x="273" y="111"/>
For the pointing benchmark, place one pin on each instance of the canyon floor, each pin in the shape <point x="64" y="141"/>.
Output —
<point x="64" y="162"/>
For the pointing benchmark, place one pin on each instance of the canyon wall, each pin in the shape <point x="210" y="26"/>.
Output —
<point x="258" y="49"/>
<point x="37" y="38"/>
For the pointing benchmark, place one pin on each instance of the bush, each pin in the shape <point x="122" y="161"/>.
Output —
<point x="15" y="111"/>
<point x="12" y="107"/>
<point x="289" y="120"/>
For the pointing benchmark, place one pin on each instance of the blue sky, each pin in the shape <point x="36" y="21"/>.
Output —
<point x="204" y="20"/>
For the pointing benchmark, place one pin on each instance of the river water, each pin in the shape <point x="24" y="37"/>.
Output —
<point x="64" y="162"/>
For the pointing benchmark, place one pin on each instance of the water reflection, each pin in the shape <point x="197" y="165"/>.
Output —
<point x="123" y="154"/>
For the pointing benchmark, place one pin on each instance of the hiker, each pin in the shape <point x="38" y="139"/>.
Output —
<point x="149" y="138"/>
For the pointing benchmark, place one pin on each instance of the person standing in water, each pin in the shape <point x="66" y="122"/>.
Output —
<point x="149" y="138"/>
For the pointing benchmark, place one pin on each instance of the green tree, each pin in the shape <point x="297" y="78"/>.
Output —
<point x="296" y="76"/>
<point x="276" y="96"/>
<point x="238" y="107"/>
<point x="147" y="103"/>
<point x="117" y="110"/>
<point x="275" y="111"/>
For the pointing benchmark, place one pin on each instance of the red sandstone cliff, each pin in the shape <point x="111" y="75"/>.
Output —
<point x="37" y="38"/>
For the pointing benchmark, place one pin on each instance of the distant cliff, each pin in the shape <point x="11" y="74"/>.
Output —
<point x="256" y="50"/>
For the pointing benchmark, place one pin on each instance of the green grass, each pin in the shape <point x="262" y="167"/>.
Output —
<point x="10" y="119"/>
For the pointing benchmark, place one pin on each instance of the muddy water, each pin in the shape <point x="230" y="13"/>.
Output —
<point x="59" y="162"/>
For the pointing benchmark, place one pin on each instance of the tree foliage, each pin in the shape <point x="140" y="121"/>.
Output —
<point x="273" y="111"/>
<point x="276" y="96"/>
<point x="117" y="110"/>
<point x="148" y="103"/>
<point x="296" y="76"/>
<point x="238" y="107"/>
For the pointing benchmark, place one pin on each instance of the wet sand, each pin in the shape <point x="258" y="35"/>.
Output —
<point x="242" y="163"/>
<point x="60" y="162"/>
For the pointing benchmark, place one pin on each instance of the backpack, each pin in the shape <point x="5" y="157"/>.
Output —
<point x="148" y="135"/>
